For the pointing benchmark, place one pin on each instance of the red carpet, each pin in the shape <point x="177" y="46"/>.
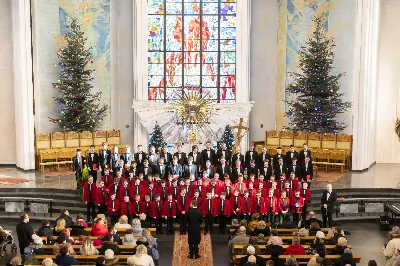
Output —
<point x="60" y="172"/>
<point x="10" y="180"/>
<point x="181" y="251"/>
<point x="5" y="169"/>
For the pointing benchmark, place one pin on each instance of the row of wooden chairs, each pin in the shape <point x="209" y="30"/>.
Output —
<point x="237" y="249"/>
<point x="72" y="139"/>
<point x="125" y="249"/>
<point x="301" y="259"/>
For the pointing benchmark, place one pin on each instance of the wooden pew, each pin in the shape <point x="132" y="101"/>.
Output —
<point x="287" y="232"/>
<point x="84" y="259"/>
<point x="123" y="248"/>
<point x="238" y="248"/>
<point x="305" y="240"/>
<point x="301" y="259"/>
<point x="91" y="237"/>
<point x="121" y="231"/>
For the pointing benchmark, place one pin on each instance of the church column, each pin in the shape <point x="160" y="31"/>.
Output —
<point x="23" y="84"/>
<point x="139" y="68"/>
<point x="365" y="84"/>
<point x="243" y="58"/>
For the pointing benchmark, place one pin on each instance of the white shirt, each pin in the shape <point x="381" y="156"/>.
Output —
<point x="328" y="195"/>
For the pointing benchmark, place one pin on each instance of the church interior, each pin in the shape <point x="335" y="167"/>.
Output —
<point x="269" y="112"/>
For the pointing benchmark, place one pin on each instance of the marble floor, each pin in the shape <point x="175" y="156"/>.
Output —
<point x="379" y="176"/>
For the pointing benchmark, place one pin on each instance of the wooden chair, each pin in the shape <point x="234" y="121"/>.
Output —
<point x="71" y="139"/>
<point x="86" y="139"/>
<point x="65" y="156"/>
<point x="285" y="138"/>
<point x="42" y="141"/>
<point x="314" y="140"/>
<point x="301" y="259"/>
<point x="299" y="138"/>
<point x="57" y="140"/>
<point x="47" y="157"/>
<point x="328" y="141"/>
<point x="114" y="137"/>
<point x="345" y="142"/>
<point x="100" y="136"/>
<point x="272" y="138"/>
<point x="338" y="158"/>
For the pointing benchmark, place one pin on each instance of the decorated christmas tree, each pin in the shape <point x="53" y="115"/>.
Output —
<point x="315" y="102"/>
<point x="80" y="109"/>
<point x="228" y="138"/>
<point x="157" y="138"/>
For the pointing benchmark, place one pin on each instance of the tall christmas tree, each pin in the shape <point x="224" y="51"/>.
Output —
<point x="80" y="110"/>
<point x="228" y="138"/>
<point x="157" y="138"/>
<point x="315" y="101"/>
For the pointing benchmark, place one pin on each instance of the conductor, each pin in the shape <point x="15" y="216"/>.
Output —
<point x="194" y="218"/>
<point x="328" y="200"/>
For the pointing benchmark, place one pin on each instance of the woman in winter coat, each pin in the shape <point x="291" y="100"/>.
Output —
<point x="99" y="228"/>
<point x="295" y="248"/>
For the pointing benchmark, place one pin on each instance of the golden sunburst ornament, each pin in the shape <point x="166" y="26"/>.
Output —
<point x="192" y="108"/>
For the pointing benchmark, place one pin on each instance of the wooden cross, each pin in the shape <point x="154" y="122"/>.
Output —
<point x="238" y="134"/>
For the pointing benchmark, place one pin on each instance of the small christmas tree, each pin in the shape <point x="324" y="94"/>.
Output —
<point x="315" y="101"/>
<point x="79" y="109"/>
<point x="157" y="138"/>
<point x="228" y="138"/>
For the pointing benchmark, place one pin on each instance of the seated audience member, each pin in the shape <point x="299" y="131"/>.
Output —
<point x="303" y="232"/>
<point x="392" y="246"/>
<point x="235" y="226"/>
<point x="144" y="223"/>
<point x="340" y="246"/>
<point x="287" y="223"/>
<point x="100" y="261"/>
<point x="274" y="246"/>
<point x="99" y="228"/>
<point x="137" y="227"/>
<point x="152" y="241"/>
<point x="48" y="262"/>
<point x="37" y="245"/>
<point x="253" y="223"/>
<point x="262" y="228"/>
<point x="372" y="263"/>
<point x="291" y="261"/>
<point x="65" y="215"/>
<point x="314" y="228"/>
<point x="29" y="258"/>
<point x="295" y="248"/>
<point x="81" y="219"/>
<point x="129" y="239"/>
<point x="315" y="261"/>
<point x="114" y="233"/>
<point x="109" y="243"/>
<point x="150" y="250"/>
<point x="141" y="257"/>
<point x="326" y="262"/>
<point x="78" y="229"/>
<point x="271" y="263"/>
<point x="122" y="222"/>
<point x="110" y="258"/>
<point x="16" y="261"/>
<point x="251" y="251"/>
<point x="240" y="238"/>
<point x="59" y="227"/>
<point x="60" y="242"/>
<point x="317" y="244"/>
<point x="346" y="258"/>
<point x="274" y="232"/>
<point x="252" y="243"/>
<point x="64" y="259"/>
<point x="337" y="232"/>
<point x="88" y="248"/>
<point x="251" y="261"/>
<point x="68" y="237"/>
<point x="45" y="229"/>
<point x="98" y="241"/>
<point x="311" y="218"/>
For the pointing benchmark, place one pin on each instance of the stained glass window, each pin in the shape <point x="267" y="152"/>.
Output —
<point x="192" y="44"/>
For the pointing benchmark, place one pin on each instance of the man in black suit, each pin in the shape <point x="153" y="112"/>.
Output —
<point x="280" y="168"/>
<point x="294" y="167"/>
<point x="328" y="201"/>
<point x="153" y="158"/>
<point x="223" y="168"/>
<point x="290" y="155"/>
<point x="306" y="170"/>
<point x="224" y="152"/>
<point x="277" y="156"/>
<point x="92" y="162"/>
<point x="140" y="156"/>
<point x="115" y="157"/>
<point x="209" y="169"/>
<point x="104" y="158"/>
<point x="194" y="218"/>
<point x="166" y="155"/>
<point x="304" y="153"/>
<point x="251" y="154"/>
<point x="208" y="154"/>
<point x="266" y="171"/>
<point x="182" y="159"/>
<point x="77" y="166"/>
<point x="238" y="156"/>
<point x="197" y="158"/>
<point x="128" y="157"/>
<point x="252" y="169"/>
<point x="264" y="155"/>
<point x="162" y="169"/>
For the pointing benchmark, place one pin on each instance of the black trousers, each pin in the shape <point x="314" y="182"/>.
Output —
<point x="159" y="222"/>
<point x="327" y="215"/>
<point x="209" y="223"/>
<point x="222" y="224"/>
<point x="114" y="218"/>
<point x="78" y="176"/>
<point x="94" y="174"/>
<point x="102" y="209"/>
<point x="194" y="250"/>
<point x="304" y="212"/>
<point x="237" y="216"/>
<point x="90" y="210"/>
<point x="296" y="218"/>
<point x="170" y="225"/>
<point x="182" y="223"/>
<point x="247" y="217"/>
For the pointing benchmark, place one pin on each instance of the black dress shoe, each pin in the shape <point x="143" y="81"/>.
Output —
<point x="190" y="257"/>
<point x="197" y="256"/>
<point x="205" y="233"/>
